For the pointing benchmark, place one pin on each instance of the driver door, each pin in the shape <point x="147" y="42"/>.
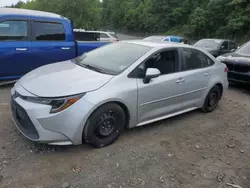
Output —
<point x="162" y="95"/>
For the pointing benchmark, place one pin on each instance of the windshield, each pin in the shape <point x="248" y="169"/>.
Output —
<point x="208" y="43"/>
<point x="113" y="58"/>
<point x="245" y="49"/>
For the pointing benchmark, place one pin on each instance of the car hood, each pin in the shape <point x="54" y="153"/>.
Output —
<point x="236" y="58"/>
<point x="62" y="79"/>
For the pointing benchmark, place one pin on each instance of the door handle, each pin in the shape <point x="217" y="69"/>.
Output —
<point x="21" y="49"/>
<point x="180" y="80"/>
<point x="65" y="48"/>
<point x="207" y="73"/>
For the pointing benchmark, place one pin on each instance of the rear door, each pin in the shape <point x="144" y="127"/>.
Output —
<point x="50" y="43"/>
<point x="196" y="72"/>
<point x="15" y="48"/>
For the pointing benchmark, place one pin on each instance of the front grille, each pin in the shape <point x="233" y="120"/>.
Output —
<point x="23" y="121"/>
<point x="237" y="66"/>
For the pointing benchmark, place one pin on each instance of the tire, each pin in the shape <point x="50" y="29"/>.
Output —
<point x="212" y="100"/>
<point x="105" y="125"/>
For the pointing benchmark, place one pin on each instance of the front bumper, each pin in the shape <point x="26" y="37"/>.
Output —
<point x="36" y="122"/>
<point x="239" y="77"/>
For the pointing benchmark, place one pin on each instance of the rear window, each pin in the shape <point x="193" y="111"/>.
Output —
<point x="87" y="36"/>
<point x="208" y="43"/>
<point x="103" y="35"/>
<point x="49" y="31"/>
<point x="113" y="35"/>
<point x="13" y="30"/>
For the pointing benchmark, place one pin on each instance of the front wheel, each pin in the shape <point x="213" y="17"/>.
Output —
<point x="212" y="100"/>
<point x="105" y="125"/>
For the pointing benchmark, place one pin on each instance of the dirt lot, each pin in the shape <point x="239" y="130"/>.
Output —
<point x="191" y="150"/>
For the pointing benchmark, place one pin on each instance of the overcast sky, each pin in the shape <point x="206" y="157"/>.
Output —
<point x="7" y="2"/>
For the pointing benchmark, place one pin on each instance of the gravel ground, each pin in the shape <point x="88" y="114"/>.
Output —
<point x="191" y="150"/>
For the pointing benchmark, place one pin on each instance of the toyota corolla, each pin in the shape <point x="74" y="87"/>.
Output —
<point x="94" y="97"/>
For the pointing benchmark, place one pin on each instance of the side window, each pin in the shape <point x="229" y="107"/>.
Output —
<point x="232" y="46"/>
<point x="103" y="35"/>
<point x="194" y="59"/>
<point x="49" y="31"/>
<point x="166" y="62"/>
<point x="13" y="30"/>
<point x="224" y="45"/>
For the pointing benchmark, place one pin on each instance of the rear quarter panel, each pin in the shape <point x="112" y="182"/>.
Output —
<point x="219" y="76"/>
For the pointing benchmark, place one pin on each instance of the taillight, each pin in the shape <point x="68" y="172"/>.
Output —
<point x="226" y="69"/>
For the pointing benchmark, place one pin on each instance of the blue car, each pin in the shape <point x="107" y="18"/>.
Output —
<point x="30" y="39"/>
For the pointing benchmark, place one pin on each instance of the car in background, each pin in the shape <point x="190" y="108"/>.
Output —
<point x="170" y="38"/>
<point x="93" y="98"/>
<point x="216" y="47"/>
<point x="109" y="31"/>
<point x="30" y="39"/>
<point x="101" y="36"/>
<point x="238" y="63"/>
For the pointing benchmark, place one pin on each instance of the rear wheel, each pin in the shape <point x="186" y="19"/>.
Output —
<point x="105" y="125"/>
<point x="212" y="99"/>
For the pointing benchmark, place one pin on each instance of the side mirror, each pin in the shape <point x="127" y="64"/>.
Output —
<point x="151" y="73"/>
<point x="222" y="47"/>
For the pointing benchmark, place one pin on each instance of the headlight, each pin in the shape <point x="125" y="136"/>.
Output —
<point x="57" y="104"/>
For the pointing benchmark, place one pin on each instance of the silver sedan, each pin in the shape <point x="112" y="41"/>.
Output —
<point x="93" y="98"/>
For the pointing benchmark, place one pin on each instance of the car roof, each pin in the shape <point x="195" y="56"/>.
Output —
<point x="106" y="32"/>
<point x="154" y="44"/>
<point x="156" y="36"/>
<point x="25" y="12"/>
<point x="221" y="40"/>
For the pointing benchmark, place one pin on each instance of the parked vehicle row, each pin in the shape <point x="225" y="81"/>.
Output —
<point x="103" y="36"/>
<point x="236" y="58"/>
<point x="93" y="97"/>
<point x="30" y="39"/>
<point x="216" y="47"/>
